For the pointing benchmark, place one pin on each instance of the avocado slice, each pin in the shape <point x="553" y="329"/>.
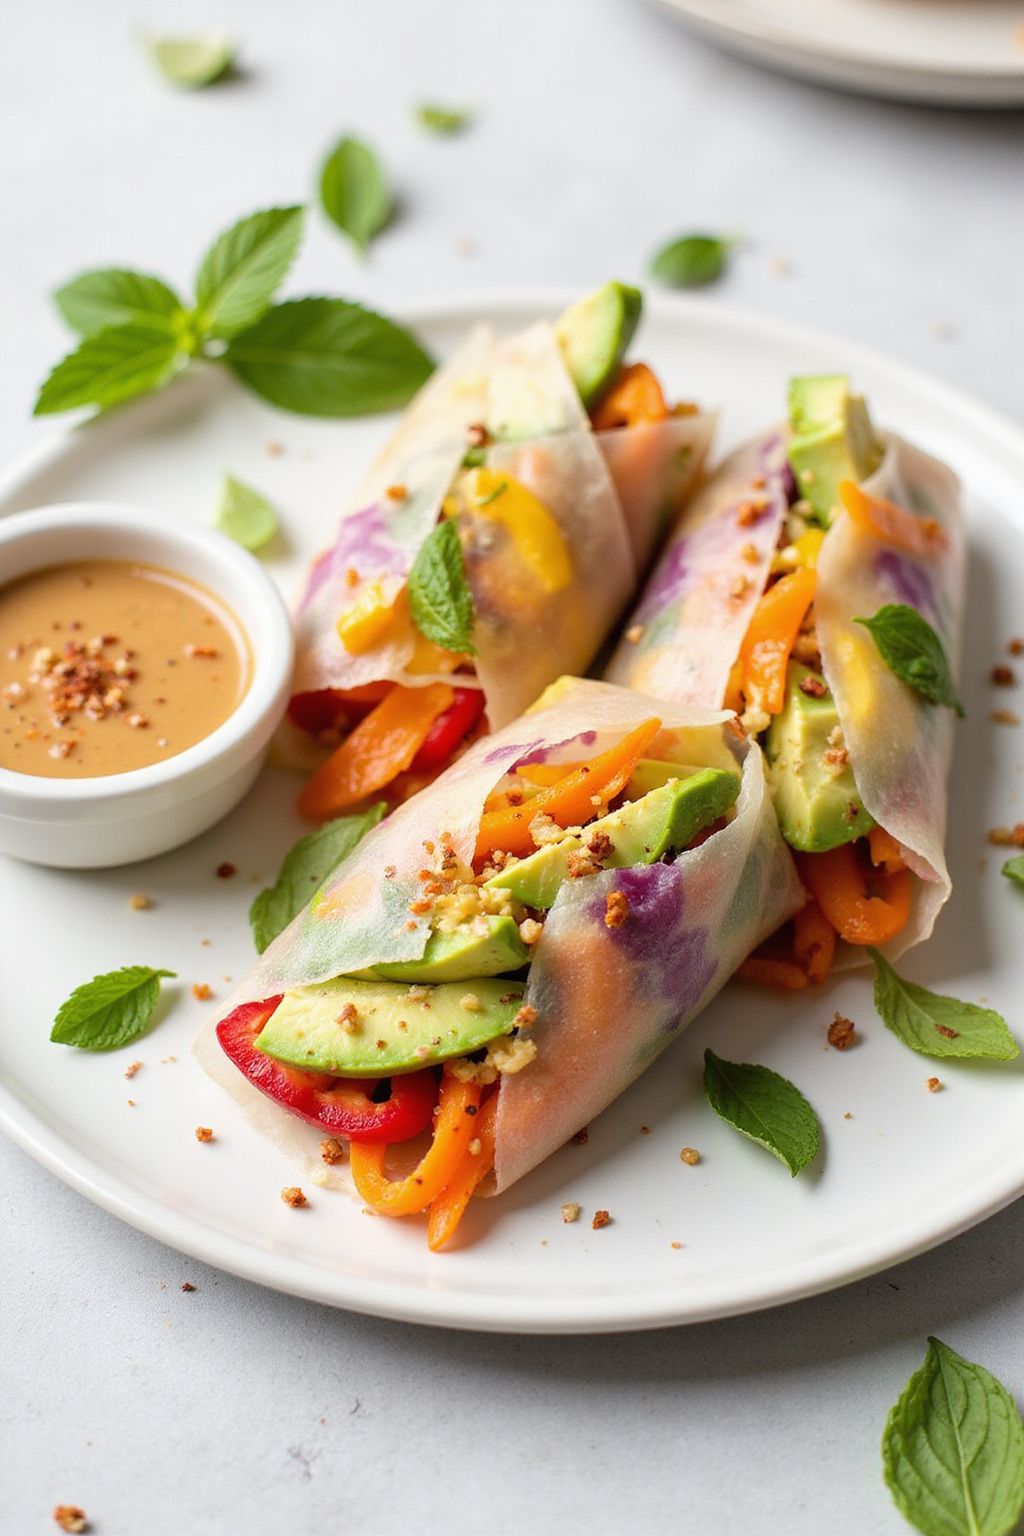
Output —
<point x="832" y="440"/>
<point x="640" y="832"/>
<point x="650" y="774"/>
<point x="594" y="334"/>
<point x="390" y="1030"/>
<point x="817" y="804"/>
<point x="489" y="946"/>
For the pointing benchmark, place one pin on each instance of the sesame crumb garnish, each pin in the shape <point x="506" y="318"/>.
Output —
<point x="1015" y="647"/>
<point x="934" y="1085"/>
<point x="294" y="1197"/>
<point x="332" y="1151"/>
<point x="571" y="1211"/>
<point x="225" y="871"/>
<point x="132" y="1068"/>
<point x="131" y="1103"/>
<point x="689" y="1155"/>
<point x="530" y="930"/>
<point x="1003" y="677"/>
<point x="616" y="909"/>
<point x="601" y="1219"/>
<point x="526" y="1017"/>
<point x="675" y="1245"/>
<point x="842" y="1033"/>
<point x="1008" y="837"/>
<point x="71" y="1518"/>
<point x="201" y="991"/>
<point x="1005" y="717"/>
<point x="204" y="1133"/>
<point x="139" y="902"/>
<point x="187" y="1285"/>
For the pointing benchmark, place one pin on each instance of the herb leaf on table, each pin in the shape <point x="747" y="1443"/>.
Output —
<point x="765" y="1107"/>
<point x="934" y="1025"/>
<point x="354" y="191"/>
<point x="244" y="268"/>
<point x="118" y="296"/>
<point x="691" y="261"/>
<point x="109" y="366"/>
<point x="111" y="1010"/>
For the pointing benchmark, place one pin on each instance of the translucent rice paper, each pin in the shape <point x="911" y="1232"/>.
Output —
<point x="655" y="467"/>
<point x="698" y="604"/>
<point x="684" y="637"/>
<point x="607" y="1001"/>
<point x="900" y="745"/>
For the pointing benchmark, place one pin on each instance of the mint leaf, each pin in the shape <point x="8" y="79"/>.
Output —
<point x="305" y="868"/>
<point x="327" y="357"/>
<point x="913" y="651"/>
<point x="244" y="267"/>
<point x="244" y="515"/>
<point x="1013" y="869"/>
<point x="765" y="1107"/>
<point x="110" y="1010"/>
<point x="117" y="296"/>
<point x="953" y="1449"/>
<point x="935" y="1025"/>
<point x="440" y="601"/>
<point x="354" y="191"/>
<point x="691" y="261"/>
<point x="192" y="62"/>
<point x="445" y="120"/>
<point x="110" y="366"/>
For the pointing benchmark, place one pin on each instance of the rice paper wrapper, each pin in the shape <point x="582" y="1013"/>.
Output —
<point x="655" y="467"/>
<point x="607" y="1001"/>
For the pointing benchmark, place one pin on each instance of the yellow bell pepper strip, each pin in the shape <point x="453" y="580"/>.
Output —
<point x="634" y="397"/>
<point x="447" y="1208"/>
<point x="571" y="800"/>
<point x="814" y="942"/>
<point x="769" y="971"/>
<point x="774" y="626"/>
<point x="891" y="524"/>
<point x="454" y="1129"/>
<point x="535" y="533"/>
<point x="885" y="850"/>
<point x="840" y="886"/>
<point x="367" y="621"/>
<point x="381" y="746"/>
<point x="808" y="546"/>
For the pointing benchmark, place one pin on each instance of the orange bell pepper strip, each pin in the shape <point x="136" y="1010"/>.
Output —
<point x="380" y="747"/>
<point x="634" y="397"/>
<point x="545" y="774"/>
<point x="770" y="637"/>
<point x="454" y="1129"/>
<point x="448" y="1208"/>
<point x="840" y="887"/>
<point x="767" y="971"/>
<point x="814" y="942"/>
<point x="891" y="524"/>
<point x="571" y="800"/>
<point x="884" y="850"/>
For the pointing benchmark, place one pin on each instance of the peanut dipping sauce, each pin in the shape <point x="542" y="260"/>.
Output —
<point x="107" y="665"/>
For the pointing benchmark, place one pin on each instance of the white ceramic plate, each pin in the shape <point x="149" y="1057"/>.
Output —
<point x="908" y="1170"/>
<point x="951" y="52"/>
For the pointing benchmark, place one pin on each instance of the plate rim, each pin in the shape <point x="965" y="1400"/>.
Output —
<point x="511" y="1311"/>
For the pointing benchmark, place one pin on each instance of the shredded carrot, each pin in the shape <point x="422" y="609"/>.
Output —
<point x="545" y="774"/>
<point x="774" y="626"/>
<point x="840" y="887"/>
<point x="380" y="747"/>
<point x="891" y="524"/>
<point x="766" y="971"/>
<point x="885" y="850"/>
<point x="453" y="1131"/>
<point x="634" y="397"/>
<point x="571" y="800"/>
<point x="734" y="689"/>
<point x="814" y="942"/>
<point x="447" y="1208"/>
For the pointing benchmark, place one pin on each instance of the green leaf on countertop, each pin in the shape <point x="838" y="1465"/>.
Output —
<point x="244" y="515"/>
<point x="354" y="191"/>
<point x="116" y="296"/>
<point x="111" y="1010"/>
<point x="443" y="120"/>
<point x="691" y="261"/>
<point x="110" y="366"/>
<point x="329" y="357"/>
<point x="765" y="1107"/>
<point x="192" y="62"/>
<point x="244" y="268"/>
<point x="306" y="866"/>
<point x="953" y="1449"/>
<point x="939" y="1026"/>
<point x="912" y="650"/>
<point x="1013" y="869"/>
<point x="440" y="601"/>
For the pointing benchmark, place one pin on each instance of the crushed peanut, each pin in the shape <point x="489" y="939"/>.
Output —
<point x="842" y="1033"/>
<point x="601" y="1219"/>
<point x="1008" y="837"/>
<point x="201" y="991"/>
<point x="1005" y="717"/>
<point x="690" y="1155"/>
<point x="139" y="902"/>
<point x="1003" y="677"/>
<point x="332" y="1151"/>
<point x="225" y="871"/>
<point x="71" y="1518"/>
<point x="204" y="1133"/>
<point x="616" y="909"/>
<point x="294" y="1197"/>
<point x="813" y="687"/>
<point x="526" y="1017"/>
<point x="934" y="1085"/>
<point x="530" y="930"/>
<point x="571" y="1211"/>
<point x="348" y="1018"/>
<point x="470" y="1002"/>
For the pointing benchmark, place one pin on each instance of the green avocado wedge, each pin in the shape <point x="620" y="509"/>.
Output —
<point x="817" y="804"/>
<point x="594" y="333"/>
<point x="640" y="832"/>
<point x="353" y="1028"/>
<point x="833" y="440"/>
<point x="489" y="946"/>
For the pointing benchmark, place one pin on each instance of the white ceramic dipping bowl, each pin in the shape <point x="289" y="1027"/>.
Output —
<point x="123" y="817"/>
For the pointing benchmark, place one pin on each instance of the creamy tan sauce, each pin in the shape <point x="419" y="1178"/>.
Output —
<point x="107" y="666"/>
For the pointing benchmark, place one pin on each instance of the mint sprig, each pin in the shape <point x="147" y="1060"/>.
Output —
<point x="934" y="1025"/>
<point x="354" y="191"/>
<point x="440" y="601"/>
<point x="111" y="1010"/>
<point x="305" y="868"/>
<point x="244" y="515"/>
<point x="1013" y="869"/>
<point x="691" y="261"/>
<point x="320" y="356"/>
<point x="765" y="1107"/>
<point x="912" y="650"/>
<point x="953" y="1449"/>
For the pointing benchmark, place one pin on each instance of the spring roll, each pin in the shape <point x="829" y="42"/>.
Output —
<point x="796" y="539"/>
<point x="536" y="926"/>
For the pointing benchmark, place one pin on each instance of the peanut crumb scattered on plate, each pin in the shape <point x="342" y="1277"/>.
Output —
<point x="131" y="1069"/>
<point x="204" y="1133"/>
<point x="294" y="1197"/>
<point x="934" y="1085"/>
<point x="601" y="1219"/>
<point x="571" y="1211"/>
<point x="690" y="1155"/>
<point x="71" y="1518"/>
<point x="140" y="902"/>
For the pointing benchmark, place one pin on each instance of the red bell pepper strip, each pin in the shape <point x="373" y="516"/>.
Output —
<point x="449" y="730"/>
<point x="338" y="1106"/>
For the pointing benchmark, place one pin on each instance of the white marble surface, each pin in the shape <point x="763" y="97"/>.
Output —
<point x="602" y="129"/>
